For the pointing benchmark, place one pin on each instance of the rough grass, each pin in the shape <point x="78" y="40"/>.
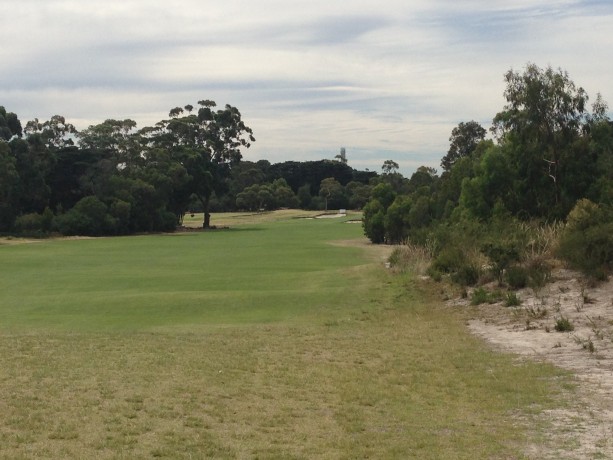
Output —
<point x="371" y="367"/>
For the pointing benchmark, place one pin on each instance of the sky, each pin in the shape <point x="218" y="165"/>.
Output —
<point x="386" y="79"/>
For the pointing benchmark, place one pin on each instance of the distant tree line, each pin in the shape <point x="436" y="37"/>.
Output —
<point x="113" y="178"/>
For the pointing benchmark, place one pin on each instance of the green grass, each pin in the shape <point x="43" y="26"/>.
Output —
<point x="253" y="273"/>
<point x="263" y="341"/>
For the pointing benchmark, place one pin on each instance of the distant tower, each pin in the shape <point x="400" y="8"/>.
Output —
<point x="342" y="157"/>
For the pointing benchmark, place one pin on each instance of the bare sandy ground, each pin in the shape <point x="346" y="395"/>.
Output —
<point x="585" y="429"/>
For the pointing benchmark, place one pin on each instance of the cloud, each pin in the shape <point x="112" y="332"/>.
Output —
<point x="386" y="79"/>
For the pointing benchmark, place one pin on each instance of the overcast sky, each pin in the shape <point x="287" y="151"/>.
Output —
<point x="386" y="79"/>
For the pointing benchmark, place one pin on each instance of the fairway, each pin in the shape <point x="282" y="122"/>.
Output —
<point x="282" y="338"/>
<point x="246" y="274"/>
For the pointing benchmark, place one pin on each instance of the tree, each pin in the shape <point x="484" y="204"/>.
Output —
<point x="10" y="126"/>
<point x="359" y="194"/>
<point x="115" y="139"/>
<point x="9" y="181"/>
<point x="545" y="114"/>
<point x="373" y="221"/>
<point x="463" y="141"/>
<point x="396" y="220"/>
<point x="390" y="167"/>
<point x="207" y="144"/>
<point x="257" y="197"/>
<point x="330" y="189"/>
<point x="56" y="133"/>
<point x="283" y="194"/>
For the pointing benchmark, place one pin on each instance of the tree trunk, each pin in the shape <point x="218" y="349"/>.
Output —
<point x="206" y="200"/>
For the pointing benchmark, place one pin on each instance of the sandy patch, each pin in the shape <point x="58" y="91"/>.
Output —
<point x="8" y="241"/>
<point x="330" y="216"/>
<point x="584" y="430"/>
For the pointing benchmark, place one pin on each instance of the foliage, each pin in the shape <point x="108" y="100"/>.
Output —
<point x="463" y="142"/>
<point x="411" y="258"/>
<point x="481" y="295"/>
<point x="512" y="300"/>
<point x="501" y="255"/>
<point x="373" y="221"/>
<point x="467" y="274"/>
<point x="516" y="277"/>
<point x="587" y="241"/>
<point x="563" y="324"/>
<point x="544" y="121"/>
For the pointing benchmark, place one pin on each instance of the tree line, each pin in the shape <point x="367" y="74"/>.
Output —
<point x="113" y="178"/>
<point x="549" y="159"/>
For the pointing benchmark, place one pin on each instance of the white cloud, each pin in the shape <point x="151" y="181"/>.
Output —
<point x="384" y="79"/>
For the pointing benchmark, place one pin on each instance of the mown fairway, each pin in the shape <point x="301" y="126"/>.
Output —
<point x="262" y="341"/>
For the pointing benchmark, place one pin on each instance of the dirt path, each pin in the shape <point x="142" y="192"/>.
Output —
<point x="584" y="430"/>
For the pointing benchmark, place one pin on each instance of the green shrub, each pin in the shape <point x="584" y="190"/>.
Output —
<point x="29" y="223"/>
<point x="482" y="295"/>
<point x="516" y="277"/>
<point x="466" y="275"/>
<point x="501" y="254"/>
<point x="563" y="324"/>
<point x="587" y="241"/>
<point x="479" y="296"/>
<point x="512" y="300"/>
<point x="434" y="274"/>
<point x="449" y="259"/>
<point x="539" y="272"/>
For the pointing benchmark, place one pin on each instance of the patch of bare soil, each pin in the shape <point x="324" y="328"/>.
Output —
<point x="585" y="429"/>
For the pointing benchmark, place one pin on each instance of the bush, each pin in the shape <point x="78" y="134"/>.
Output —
<point x="539" y="272"/>
<point x="587" y="241"/>
<point x="563" y="324"/>
<point x="512" y="300"/>
<point x="516" y="277"/>
<point x="449" y="259"/>
<point x="434" y="274"/>
<point x="501" y="255"/>
<point x="88" y="217"/>
<point x="410" y="257"/>
<point x="466" y="275"/>
<point x="481" y="295"/>
<point x="29" y="224"/>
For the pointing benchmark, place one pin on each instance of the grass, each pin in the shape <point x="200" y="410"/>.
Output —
<point x="250" y="273"/>
<point x="263" y="341"/>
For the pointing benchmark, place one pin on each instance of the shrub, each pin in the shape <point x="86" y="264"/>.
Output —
<point x="539" y="273"/>
<point x="449" y="259"/>
<point x="512" y="300"/>
<point x="373" y="221"/>
<point x="479" y="296"/>
<point x="501" y="255"/>
<point x="563" y="324"/>
<point x="434" y="274"/>
<point x="587" y="241"/>
<point x="88" y="217"/>
<point x="411" y="257"/>
<point x="516" y="277"/>
<point x="466" y="275"/>
<point x="29" y="224"/>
